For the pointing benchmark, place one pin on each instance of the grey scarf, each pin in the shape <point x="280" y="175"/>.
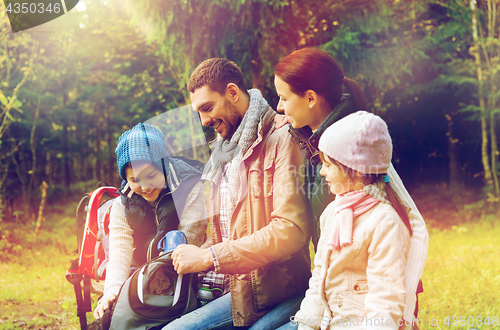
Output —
<point x="233" y="150"/>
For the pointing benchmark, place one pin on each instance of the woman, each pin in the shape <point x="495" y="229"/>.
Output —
<point x="310" y="85"/>
<point x="159" y="193"/>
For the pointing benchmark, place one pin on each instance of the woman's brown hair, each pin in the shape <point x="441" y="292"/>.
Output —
<point x="313" y="69"/>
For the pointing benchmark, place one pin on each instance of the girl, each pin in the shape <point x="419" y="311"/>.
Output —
<point x="360" y="277"/>
<point x="158" y="194"/>
<point x="310" y="85"/>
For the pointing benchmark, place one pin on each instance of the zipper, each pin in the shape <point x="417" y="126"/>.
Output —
<point x="302" y="141"/>
<point x="150" y="247"/>
<point x="316" y="152"/>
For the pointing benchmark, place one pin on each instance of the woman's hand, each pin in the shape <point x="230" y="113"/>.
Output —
<point x="103" y="305"/>
<point x="281" y="120"/>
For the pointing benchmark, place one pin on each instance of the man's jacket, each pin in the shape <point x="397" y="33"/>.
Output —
<point x="267" y="253"/>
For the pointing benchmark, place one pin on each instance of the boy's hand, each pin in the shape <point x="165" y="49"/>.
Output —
<point x="103" y="305"/>
<point x="188" y="258"/>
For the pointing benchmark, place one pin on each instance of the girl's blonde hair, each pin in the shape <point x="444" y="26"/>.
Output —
<point x="378" y="179"/>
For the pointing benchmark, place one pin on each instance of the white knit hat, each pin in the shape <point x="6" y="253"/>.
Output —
<point x="360" y="141"/>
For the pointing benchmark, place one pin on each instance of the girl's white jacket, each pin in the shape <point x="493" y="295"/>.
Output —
<point x="364" y="285"/>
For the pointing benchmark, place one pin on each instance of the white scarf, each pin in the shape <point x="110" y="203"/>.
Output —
<point x="233" y="150"/>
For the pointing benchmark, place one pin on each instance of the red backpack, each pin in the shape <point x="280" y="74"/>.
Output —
<point x="92" y="222"/>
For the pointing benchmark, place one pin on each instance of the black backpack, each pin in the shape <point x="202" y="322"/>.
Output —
<point x="154" y="295"/>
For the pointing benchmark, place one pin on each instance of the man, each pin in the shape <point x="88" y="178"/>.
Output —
<point x="258" y="213"/>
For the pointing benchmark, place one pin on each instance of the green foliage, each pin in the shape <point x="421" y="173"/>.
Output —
<point x="16" y="58"/>
<point x="102" y="70"/>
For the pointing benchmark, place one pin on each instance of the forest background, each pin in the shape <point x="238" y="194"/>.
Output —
<point x="71" y="87"/>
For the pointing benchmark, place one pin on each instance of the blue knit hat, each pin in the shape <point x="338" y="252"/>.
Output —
<point x="142" y="143"/>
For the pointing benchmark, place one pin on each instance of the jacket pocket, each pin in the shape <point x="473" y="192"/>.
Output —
<point x="260" y="181"/>
<point x="277" y="281"/>
<point x="349" y="307"/>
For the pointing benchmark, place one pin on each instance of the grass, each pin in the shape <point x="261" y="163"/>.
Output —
<point x="462" y="269"/>
<point x="34" y="293"/>
<point x="460" y="279"/>
<point x="461" y="276"/>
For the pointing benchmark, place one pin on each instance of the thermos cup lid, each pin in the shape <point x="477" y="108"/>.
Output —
<point x="171" y="240"/>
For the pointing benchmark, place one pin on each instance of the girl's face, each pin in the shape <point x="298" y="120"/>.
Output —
<point x="145" y="180"/>
<point x="339" y="181"/>
<point x="293" y="105"/>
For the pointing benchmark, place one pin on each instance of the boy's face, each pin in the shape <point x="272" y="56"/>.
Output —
<point x="216" y="111"/>
<point x="145" y="180"/>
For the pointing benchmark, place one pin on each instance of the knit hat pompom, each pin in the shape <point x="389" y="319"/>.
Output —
<point x="360" y="141"/>
<point x="142" y="143"/>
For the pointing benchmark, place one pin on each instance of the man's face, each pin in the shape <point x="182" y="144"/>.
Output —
<point x="216" y="111"/>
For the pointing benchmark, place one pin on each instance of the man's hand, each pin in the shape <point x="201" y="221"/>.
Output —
<point x="281" y="120"/>
<point x="188" y="258"/>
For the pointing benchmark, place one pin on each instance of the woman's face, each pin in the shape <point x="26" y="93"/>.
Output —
<point x="145" y="180"/>
<point x="293" y="105"/>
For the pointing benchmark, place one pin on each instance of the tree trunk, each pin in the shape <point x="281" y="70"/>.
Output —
<point x="40" y="219"/>
<point x="67" y="169"/>
<point x="484" y="127"/>
<point x="455" y="168"/>
<point x="48" y="170"/>
<point x="494" y="153"/>
<point x="3" y="207"/>
<point x="492" y="99"/>
<point x="80" y="168"/>
<point x="33" y="149"/>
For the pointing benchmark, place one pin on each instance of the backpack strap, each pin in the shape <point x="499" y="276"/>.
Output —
<point x="86" y="294"/>
<point x="90" y="234"/>
<point x="82" y="306"/>
<point x="96" y="256"/>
